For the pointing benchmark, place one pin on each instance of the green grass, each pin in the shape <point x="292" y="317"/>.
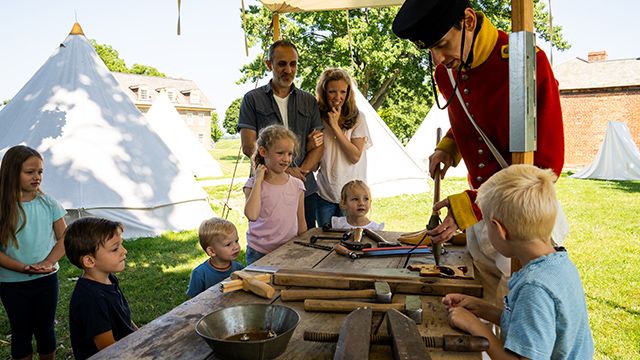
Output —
<point x="226" y="152"/>
<point x="604" y="243"/>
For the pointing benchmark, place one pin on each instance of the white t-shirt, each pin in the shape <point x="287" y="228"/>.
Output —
<point x="282" y="105"/>
<point x="341" y="223"/>
<point x="335" y="169"/>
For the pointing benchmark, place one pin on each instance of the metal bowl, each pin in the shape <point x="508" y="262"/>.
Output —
<point x="218" y="327"/>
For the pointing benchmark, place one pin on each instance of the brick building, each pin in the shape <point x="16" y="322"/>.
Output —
<point x="594" y="92"/>
<point x="190" y="102"/>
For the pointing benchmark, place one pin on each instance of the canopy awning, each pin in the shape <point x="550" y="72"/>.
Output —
<point x="287" y="6"/>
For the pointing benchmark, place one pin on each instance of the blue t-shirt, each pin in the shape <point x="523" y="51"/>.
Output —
<point x="545" y="313"/>
<point x="36" y="239"/>
<point x="96" y="308"/>
<point x="205" y="276"/>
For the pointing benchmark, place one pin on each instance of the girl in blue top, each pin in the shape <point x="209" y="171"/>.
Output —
<point x="31" y="243"/>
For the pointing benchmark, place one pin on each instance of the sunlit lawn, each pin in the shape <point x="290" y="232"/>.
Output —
<point x="604" y="243"/>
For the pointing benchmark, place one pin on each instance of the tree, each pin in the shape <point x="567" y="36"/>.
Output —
<point x="231" y="116"/>
<point x="216" y="131"/>
<point x="111" y="58"/>
<point x="391" y="73"/>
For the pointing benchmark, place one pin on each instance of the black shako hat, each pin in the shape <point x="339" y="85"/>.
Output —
<point x="424" y="22"/>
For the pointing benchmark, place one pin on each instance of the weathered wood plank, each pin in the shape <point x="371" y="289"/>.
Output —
<point x="173" y="336"/>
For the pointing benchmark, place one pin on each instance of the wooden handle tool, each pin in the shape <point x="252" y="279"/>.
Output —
<point x="236" y="283"/>
<point x="298" y="295"/>
<point x="252" y="283"/>
<point x="434" y="220"/>
<point x="347" y="306"/>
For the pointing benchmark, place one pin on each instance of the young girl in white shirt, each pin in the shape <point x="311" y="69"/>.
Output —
<point x="355" y="201"/>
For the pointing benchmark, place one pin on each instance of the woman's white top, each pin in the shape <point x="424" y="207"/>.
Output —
<point x="335" y="169"/>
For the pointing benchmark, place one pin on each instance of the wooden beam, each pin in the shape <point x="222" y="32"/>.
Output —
<point x="521" y="20"/>
<point x="521" y="15"/>
<point x="276" y="26"/>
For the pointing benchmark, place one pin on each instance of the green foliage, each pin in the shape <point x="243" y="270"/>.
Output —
<point x="145" y="70"/>
<point x="111" y="58"/>
<point x="216" y="131"/>
<point x="391" y="73"/>
<point x="231" y="116"/>
<point x="5" y="102"/>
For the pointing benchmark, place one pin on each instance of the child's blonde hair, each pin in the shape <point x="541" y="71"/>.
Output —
<point x="353" y="184"/>
<point x="269" y="136"/>
<point x="214" y="229"/>
<point x="523" y="198"/>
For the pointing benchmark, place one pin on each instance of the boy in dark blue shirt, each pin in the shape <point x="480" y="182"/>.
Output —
<point x="99" y="314"/>
<point x="219" y="239"/>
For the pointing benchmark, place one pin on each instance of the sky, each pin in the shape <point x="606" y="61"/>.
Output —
<point x="210" y="50"/>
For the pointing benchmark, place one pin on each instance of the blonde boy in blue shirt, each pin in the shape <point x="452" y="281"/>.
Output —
<point x="545" y="314"/>
<point x="219" y="239"/>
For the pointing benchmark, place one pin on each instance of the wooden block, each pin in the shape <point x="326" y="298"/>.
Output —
<point x="443" y="271"/>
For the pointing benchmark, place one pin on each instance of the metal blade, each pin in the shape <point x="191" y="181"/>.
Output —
<point x="355" y="336"/>
<point x="407" y="342"/>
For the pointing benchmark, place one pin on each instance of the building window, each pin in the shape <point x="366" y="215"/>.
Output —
<point x="202" y="121"/>
<point x="172" y="94"/>
<point x="194" y="97"/>
<point x="143" y="93"/>
<point x="189" y="118"/>
<point x="201" y="138"/>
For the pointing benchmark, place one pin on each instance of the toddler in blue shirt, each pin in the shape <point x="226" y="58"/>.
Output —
<point x="219" y="239"/>
<point x="545" y="313"/>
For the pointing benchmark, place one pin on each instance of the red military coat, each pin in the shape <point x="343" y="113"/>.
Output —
<point x="485" y="90"/>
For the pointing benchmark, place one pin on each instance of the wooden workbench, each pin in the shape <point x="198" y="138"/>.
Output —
<point x="173" y="336"/>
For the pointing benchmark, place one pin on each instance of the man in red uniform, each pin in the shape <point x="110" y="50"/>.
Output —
<point x="472" y="57"/>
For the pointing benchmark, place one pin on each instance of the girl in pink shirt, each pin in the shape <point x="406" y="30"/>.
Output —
<point x="274" y="199"/>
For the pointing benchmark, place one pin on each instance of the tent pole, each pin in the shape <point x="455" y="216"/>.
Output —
<point x="276" y="26"/>
<point x="522" y="88"/>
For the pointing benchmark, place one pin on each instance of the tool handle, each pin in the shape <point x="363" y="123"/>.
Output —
<point x="297" y="295"/>
<point x="344" y="251"/>
<point x="459" y="343"/>
<point x="464" y="343"/>
<point x="347" y="306"/>
<point x="258" y="287"/>
<point x="436" y="174"/>
<point x="357" y="234"/>
<point x="241" y="274"/>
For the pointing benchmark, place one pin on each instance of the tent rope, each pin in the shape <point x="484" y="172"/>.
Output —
<point x="226" y="209"/>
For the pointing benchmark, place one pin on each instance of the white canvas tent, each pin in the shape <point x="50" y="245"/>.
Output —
<point x="390" y="170"/>
<point x="617" y="159"/>
<point x="167" y="123"/>
<point x="423" y="142"/>
<point x="100" y="157"/>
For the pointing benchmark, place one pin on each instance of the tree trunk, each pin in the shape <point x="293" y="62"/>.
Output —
<point x="379" y="97"/>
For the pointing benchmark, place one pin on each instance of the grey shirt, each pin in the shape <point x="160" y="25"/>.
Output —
<point x="259" y="110"/>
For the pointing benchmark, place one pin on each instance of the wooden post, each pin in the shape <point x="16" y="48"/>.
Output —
<point x="521" y="20"/>
<point x="276" y="26"/>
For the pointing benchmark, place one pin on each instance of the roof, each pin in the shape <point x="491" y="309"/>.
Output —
<point x="129" y="82"/>
<point x="578" y="73"/>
